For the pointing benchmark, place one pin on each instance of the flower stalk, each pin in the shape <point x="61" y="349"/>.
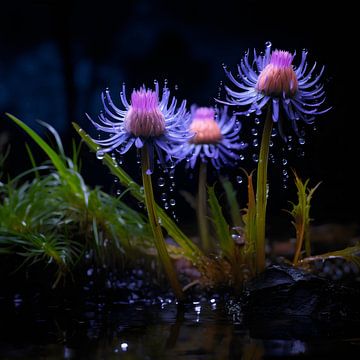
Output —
<point x="261" y="192"/>
<point x="202" y="209"/>
<point x="155" y="226"/>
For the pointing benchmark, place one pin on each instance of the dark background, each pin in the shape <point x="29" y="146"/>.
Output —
<point x="57" y="56"/>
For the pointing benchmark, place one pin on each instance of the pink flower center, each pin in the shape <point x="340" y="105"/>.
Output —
<point x="278" y="77"/>
<point x="205" y="128"/>
<point x="144" y="117"/>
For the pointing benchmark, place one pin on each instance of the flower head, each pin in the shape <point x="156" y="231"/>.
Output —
<point x="144" y="117"/>
<point x="206" y="130"/>
<point x="273" y="79"/>
<point x="147" y="119"/>
<point x="215" y="136"/>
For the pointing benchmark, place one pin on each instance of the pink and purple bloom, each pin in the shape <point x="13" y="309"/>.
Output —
<point x="146" y="119"/>
<point x="272" y="79"/>
<point x="215" y="137"/>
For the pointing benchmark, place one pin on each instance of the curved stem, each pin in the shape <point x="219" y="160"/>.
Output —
<point x="155" y="226"/>
<point x="202" y="209"/>
<point x="261" y="192"/>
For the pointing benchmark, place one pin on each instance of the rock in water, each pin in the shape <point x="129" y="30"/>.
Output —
<point x="288" y="291"/>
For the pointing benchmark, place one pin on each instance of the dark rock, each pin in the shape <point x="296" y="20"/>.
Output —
<point x="282" y="291"/>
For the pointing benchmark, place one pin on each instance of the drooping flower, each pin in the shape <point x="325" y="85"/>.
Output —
<point x="147" y="119"/>
<point x="272" y="79"/>
<point x="215" y="137"/>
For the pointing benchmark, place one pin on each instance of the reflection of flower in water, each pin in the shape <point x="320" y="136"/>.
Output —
<point x="214" y="138"/>
<point x="145" y="120"/>
<point x="272" y="79"/>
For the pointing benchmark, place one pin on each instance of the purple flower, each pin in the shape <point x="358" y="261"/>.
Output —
<point x="272" y="79"/>
<point x="145" y="120"/>
<point x="215" y="136"/>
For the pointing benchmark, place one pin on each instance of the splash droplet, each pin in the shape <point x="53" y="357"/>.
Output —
<point x="161" y="182"/>
<point x="301" y="141"/>
<point x="172" y="202"/>
<point x="239" y="179"/>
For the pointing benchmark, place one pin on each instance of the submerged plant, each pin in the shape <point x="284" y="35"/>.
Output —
<point x="289" y="93"/>
<point x="301" y="216"/>
<point x="152" y="125"/>
<point x="215" y="138"/>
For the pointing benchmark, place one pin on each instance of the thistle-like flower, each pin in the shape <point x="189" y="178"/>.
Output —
<point x="271" y="78"/>
<point x="145" y="120"/>
<point x="215" y="137"/>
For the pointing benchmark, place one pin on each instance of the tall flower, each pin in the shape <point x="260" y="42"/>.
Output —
<point x="287" y="92"/>
<point x="149" y="123"/>
<point x="147" y="119"/>
<point x="215" y="137"/>
<point x="273" y="79"/>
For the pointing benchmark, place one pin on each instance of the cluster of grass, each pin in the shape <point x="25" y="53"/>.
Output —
<point x="49" y="215"/>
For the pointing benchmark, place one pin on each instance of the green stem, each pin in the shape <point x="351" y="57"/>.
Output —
<point x="299" y="243"/>
<point x="261" y="192"/>
<point x="202" y="209"/>
<point x="155" y="226"/>
<point x="307" y="241"/>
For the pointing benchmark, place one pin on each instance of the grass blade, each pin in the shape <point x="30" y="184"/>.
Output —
<point x="222" y="228"/>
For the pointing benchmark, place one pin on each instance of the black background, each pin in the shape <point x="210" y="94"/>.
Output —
<point x="57" y="56"/>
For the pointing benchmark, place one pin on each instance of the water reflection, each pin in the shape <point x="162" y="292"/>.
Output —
<point x="202" y="330"/>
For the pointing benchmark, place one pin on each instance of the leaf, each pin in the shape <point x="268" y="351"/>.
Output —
<point x="222" y="228"/>
<point x="350" y="254"/>
<point x="250" y="217"/>
<point x="54" y="157"/>
<point x="232" y="202"/>
<point x="300" y="213"/>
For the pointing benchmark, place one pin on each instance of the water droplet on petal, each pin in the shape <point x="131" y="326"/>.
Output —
<point x="148" y="172"/>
